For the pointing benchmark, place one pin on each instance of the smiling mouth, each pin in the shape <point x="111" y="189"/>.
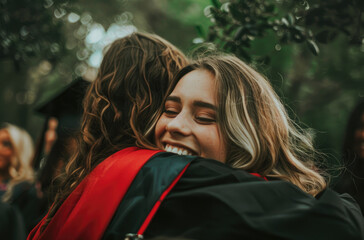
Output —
<point x="178" y="150"/>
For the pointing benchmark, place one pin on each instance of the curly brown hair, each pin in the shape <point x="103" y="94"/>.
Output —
<point x="122" y="105"/>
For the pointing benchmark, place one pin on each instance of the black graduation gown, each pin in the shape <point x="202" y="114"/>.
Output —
<point x="11" y="223"/>
<point x="214" y="201"/>
<point x="31" y="207"/>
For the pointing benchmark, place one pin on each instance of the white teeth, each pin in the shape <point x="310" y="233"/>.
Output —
<point x="168" y="148"/>
<point x="177" y="150"/>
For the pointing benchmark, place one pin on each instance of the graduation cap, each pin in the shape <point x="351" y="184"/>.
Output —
<point x="65" y="104"/>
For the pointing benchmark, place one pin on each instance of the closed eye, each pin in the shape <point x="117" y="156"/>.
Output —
<point x="171" y="108"/>
<point x="204" y="120"/>
<point x="170" y="113"/>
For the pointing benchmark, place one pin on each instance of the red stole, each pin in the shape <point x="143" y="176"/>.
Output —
<point x="87" y="211"/>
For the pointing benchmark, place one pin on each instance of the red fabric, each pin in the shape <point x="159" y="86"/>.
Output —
<point x="258" y="175"/>
<point x="86" y="213"/>
<point x="158" y="203"/>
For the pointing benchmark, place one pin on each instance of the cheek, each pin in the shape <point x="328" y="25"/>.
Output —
<point x="5" y="159"/>
<point x="213" y="145"/>
<point x="220" y="150"/>
<point x="160" y="128"/>
<point x="6" y="152"/>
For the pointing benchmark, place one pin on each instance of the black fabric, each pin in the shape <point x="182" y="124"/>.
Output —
<point x="213" y="201"/>
<point x="32" y="208"/>
<point x="11" y="223"/>
<point x="151" y="181"/>
<point x="353" y="185"/>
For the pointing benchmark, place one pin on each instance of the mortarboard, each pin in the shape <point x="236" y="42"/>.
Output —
<point x="65" y="104"/>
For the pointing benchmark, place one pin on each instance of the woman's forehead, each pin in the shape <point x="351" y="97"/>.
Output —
<point x="198" y="85"/>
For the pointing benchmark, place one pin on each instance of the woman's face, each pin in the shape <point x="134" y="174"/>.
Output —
<point x="6" y="150"/>
<point x="188" y="125"/>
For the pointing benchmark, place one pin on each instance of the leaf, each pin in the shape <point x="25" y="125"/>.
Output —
<point x="291" y="19"/>
<point x="299" y="28"/>
<point x="313" y="47"/>
<point x="226" y="7"/>
<point x="285" y="22"/>
<point x="239" y="33"/>
<point x="216" y="3"/>
<point x="200" y="31"/>
<point x="208" y="11"/>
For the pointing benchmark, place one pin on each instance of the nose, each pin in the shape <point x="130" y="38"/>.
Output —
<point x="179" y="125"/>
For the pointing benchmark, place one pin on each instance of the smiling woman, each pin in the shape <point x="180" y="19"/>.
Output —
<point x="220" y="108"/>
<point x="188" y="125"/>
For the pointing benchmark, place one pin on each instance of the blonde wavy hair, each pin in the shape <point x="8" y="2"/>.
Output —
<point x="20" y="168"/>
<point x="260" y="135"/>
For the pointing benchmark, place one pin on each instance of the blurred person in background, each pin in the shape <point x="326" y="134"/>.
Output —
<point x="16" y="174"/>
<point x="57" y="141"/>
<point x="352" y="179"/>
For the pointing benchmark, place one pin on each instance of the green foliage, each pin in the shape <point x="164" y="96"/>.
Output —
<point x="237" y="23"/>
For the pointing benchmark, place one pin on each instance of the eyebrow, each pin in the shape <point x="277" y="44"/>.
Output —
<point x="195" y="103"/>
<point x="174" y="99"/>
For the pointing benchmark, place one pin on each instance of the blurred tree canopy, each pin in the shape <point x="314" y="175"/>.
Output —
<point x="44" y="45"/>
<point x="237" y="23"/>
<point x="312" y="51"/>
<point x="29" y="29"/>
